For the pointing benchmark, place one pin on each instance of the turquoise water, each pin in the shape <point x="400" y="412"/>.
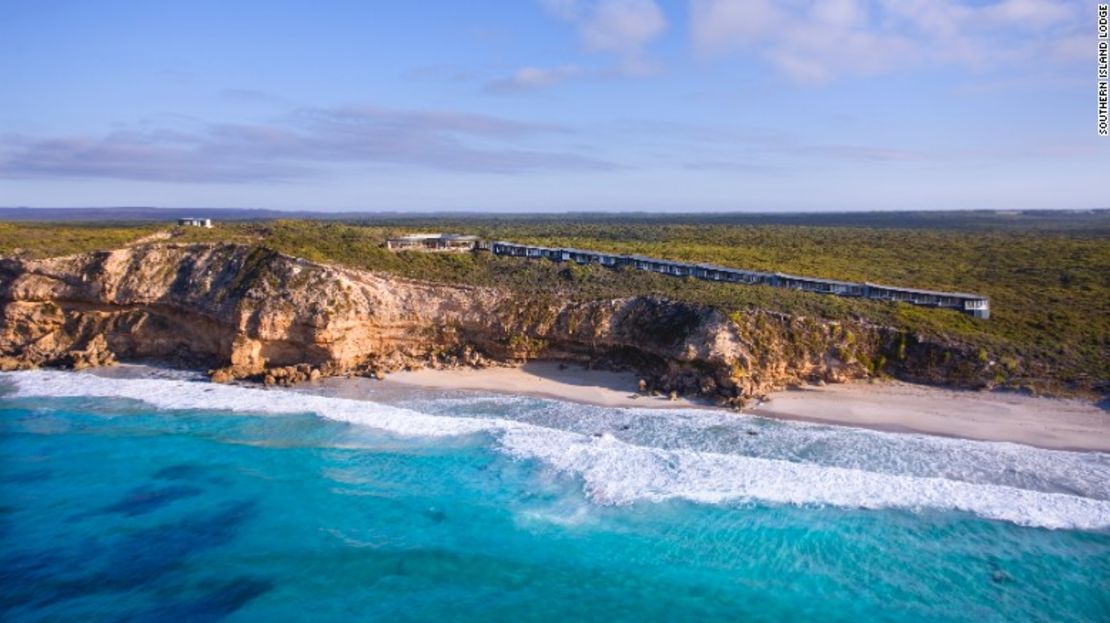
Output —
<point x="164" y="499"/>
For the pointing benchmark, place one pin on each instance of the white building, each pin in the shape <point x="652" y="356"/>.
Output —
<point x="432" y="242"/>
<point x="195" y="222"/>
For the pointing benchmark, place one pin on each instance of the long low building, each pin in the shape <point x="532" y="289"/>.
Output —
<point x="432" y="242"/>
<point x="973" y="304"/>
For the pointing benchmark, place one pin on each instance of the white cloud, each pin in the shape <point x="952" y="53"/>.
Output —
<point x="953" y="18"/>
<point x="819" y="40"/>
<point x="527" y="78"/>
<point x="811" y="42"/>
<point x="718" y="25"/>
<point x="623" y="27"/>
<point x="1031" y="13"/>
<point x="563" y="9"/>
<point x="840" y="13"/>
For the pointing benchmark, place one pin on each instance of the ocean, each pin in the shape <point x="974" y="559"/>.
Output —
<point x="166" y="498"/>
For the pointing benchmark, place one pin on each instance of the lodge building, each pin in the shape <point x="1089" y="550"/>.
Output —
<point x="973" y="304"/>
<point x="432" y="242"/>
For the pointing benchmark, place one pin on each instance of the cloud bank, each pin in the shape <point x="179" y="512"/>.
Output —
<point x="296" y="147"/>
<point x="819" y="40"/>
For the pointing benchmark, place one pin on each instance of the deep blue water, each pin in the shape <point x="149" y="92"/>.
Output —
<point x="115" y="509"/>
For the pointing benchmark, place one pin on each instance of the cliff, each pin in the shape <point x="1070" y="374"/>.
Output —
<point x="251" y="313"/>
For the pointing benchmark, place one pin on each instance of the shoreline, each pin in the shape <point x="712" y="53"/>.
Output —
<point x="899" y="407"/>
<point x="889" y="406"/>
<point x="546" y="379"/>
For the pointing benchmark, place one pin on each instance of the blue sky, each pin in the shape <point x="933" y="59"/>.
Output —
<point x="551" y="105"/>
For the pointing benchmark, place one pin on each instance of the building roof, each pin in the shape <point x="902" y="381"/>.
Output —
<point x="834" y="282"/>
<point x="437" y="236"/>
<point x="741" y="271"/>
<point x="965" y="295"/>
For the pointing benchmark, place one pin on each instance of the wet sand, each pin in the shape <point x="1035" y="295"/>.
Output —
<point x="892" y="406"/>
<point x="546" y="380"/>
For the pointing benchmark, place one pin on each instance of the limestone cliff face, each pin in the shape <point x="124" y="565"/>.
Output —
<point x="248" y="312"/>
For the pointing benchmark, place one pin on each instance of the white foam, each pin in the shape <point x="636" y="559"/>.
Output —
<point x="1086" y="474"/>
<point x="184" y="394"/>
<point x="616" y="471"/>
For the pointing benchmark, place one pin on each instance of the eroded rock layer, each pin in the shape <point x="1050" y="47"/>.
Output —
<point x="251" y="313"/>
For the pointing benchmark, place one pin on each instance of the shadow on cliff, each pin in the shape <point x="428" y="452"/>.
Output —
<point x="575" y="374"/>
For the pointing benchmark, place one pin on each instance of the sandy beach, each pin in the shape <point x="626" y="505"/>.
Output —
<point x="891" y="405"/>
<point x="547" y="380"/>
<point x="1060" y="424"/>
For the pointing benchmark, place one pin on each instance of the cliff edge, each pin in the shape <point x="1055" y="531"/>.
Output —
<point x="247" y="312"/>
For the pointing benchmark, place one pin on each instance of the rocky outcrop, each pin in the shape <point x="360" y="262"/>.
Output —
<point x="251" y="313"/>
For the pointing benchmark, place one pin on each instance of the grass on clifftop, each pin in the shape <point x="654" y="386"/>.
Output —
<point x="51" y="240"/>
<point x="1050" y="290"/>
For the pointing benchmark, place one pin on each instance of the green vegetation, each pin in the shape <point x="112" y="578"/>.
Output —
<point x="48" y="240"/>
<point x="1049" y="283"/>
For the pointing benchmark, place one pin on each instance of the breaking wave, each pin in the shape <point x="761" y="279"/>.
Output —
<point x="628" y="455"/>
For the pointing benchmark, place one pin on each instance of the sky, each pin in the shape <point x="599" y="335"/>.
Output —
<point x="551" y="105"/>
